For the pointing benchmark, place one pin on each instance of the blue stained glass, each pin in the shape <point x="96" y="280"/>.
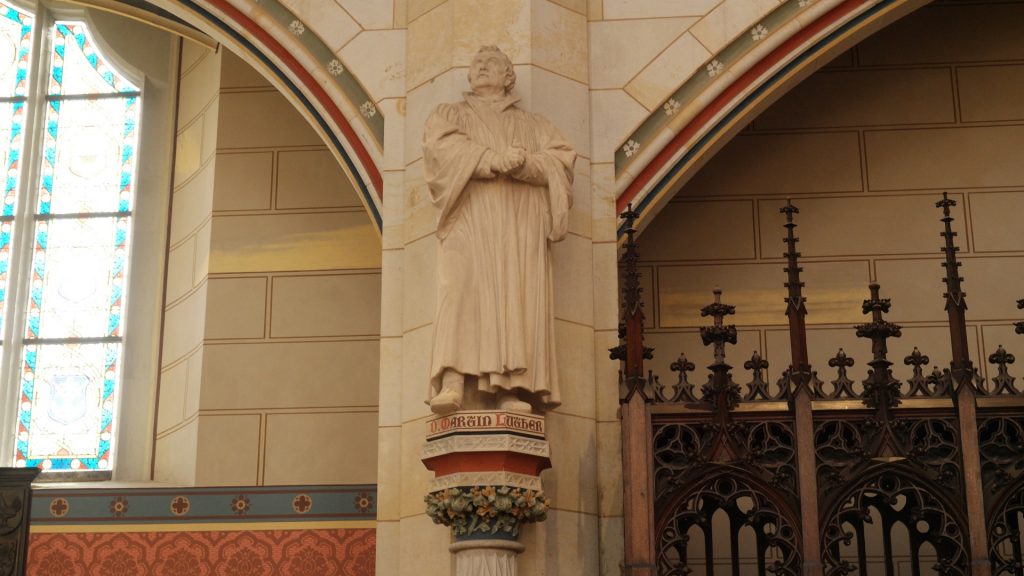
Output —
<point x="89" y="158"/>
<point x="68" y="403"/>
<point x="77" y="289"/>
<point x="79" y="68"/>
<point x="15" y="46"/>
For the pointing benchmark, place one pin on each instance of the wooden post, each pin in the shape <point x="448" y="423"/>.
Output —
<point x="800" y="395"/>
<point x="637" y="451"/>
<point x="964" y="395"/>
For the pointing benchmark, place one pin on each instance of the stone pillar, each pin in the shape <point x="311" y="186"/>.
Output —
<point x="486" y="485"/>
<point x="547" y="42"/>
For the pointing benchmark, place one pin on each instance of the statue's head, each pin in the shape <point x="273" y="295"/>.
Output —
<point x="491" y="70"/>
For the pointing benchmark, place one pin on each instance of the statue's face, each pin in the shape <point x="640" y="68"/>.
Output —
<point x="488" y="72"/>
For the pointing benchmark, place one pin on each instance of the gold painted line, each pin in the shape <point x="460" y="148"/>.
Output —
<point x="203" y="527"/>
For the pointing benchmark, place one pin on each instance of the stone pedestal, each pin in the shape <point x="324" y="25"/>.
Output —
<point x="486" y="485"/>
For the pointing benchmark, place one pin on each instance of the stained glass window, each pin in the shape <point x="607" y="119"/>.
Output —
<point x="75" y="228"/>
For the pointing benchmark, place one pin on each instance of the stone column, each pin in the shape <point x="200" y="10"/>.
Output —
<point x="547" y="42"/>
<point x="486" y="485"/>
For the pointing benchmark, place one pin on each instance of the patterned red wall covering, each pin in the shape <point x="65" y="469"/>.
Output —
<point x="236" y="531"/>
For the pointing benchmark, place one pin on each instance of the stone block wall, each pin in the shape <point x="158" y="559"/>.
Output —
<point x="274" y="381"/>
<point x="864" y="147"/>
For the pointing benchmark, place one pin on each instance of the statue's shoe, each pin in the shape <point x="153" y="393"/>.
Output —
<point x="446" y="402"/>
<point x="513" y="404"/>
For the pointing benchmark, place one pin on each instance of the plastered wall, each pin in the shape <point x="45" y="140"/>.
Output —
<point x="864" y="147"/>
<point x="272" y="378"/>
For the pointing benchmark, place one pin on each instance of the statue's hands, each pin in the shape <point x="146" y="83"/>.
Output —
<point x="510" y="160"/>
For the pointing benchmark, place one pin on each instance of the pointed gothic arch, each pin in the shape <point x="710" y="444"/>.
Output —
<point x="738" y="83"/>
<point x="274" y="41"/>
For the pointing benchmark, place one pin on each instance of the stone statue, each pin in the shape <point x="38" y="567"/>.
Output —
<point x="502" y="178"/>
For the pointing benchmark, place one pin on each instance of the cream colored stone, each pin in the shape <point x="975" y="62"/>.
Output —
<point x="171" y="407"/>
<point x="312" y="179"/>
<point x="236" y="73"/>
<point x="560" y="100"/>
<point x="371" y="14"/>
<point x="389" y="472"/>
<point x="192" y="204"/>
<point x="377" y="58"/>
<point x="572" y="480"/>
<point x="730" y="19"/>
<point x="198" y="87"/>
<point x="578" y="6"/>
<point x="612" y="540"/>
<point x="424" y="544"/>
<point x="580" y="216"/>
<point x="624" y="9"/>
<point x="391" y="293"/>
<point x="421" y="100"/>
<point x="558" y="40"/>
<point x="572" y="263"/>
<point x="782" y="164"/>
<point x="180" y="261"/>
<point x="606" y="375"/>
<point x="191" y="54"/>
<point x="605" y="219"/>
<point x="565" y="543"/>
<point x="394" y="111"/>
<point x="243" y="181"/>
<point x="328" y="20"/>
<point x="388" y="536"/>
<point x="944" y="158"/>
<point x="260" y="376"/>
<point x="620" y="114"/>
<point x="850" y="226"/>
<point x="327" y="305"/>
<point x="393" y="211"/>
<point x="236" y="307"/>
<point x="280" y="123"/>
<point x="174" y="456"/>
<point x="990" y="93"/>
<point x="994" y="219"/>
<point x="681" y="230"/>
<point x="194" y="383"/>
<point x="576" y="368"/>
<point x="293" y="242"/>
<point x="183" y="326"/>
<point x="416" y="345"/>
<point x="417" y="8"/>
<point x="228" y="450"/>
<point x="609" y="468"/>
<point x="620" y="48"/>
<point x="420" y="213"/>
<point x="188" y="153"/>
<point x="202" y="259"/>
<point x="606" y="280"/>
<point x="429" y="44"/>
<point x="667" y="71"/>
<point x="390" y="403"/>
<point x="415" y="477"/>
<point x="419" y="279"/>
<point x="210" y="126"/>
<point x="506" y="24"/>
<point x="864" y="98"/>
<point x="321" y="448"/>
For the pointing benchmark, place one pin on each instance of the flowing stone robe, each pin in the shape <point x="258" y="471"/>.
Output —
<point x="495" y="318"/>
